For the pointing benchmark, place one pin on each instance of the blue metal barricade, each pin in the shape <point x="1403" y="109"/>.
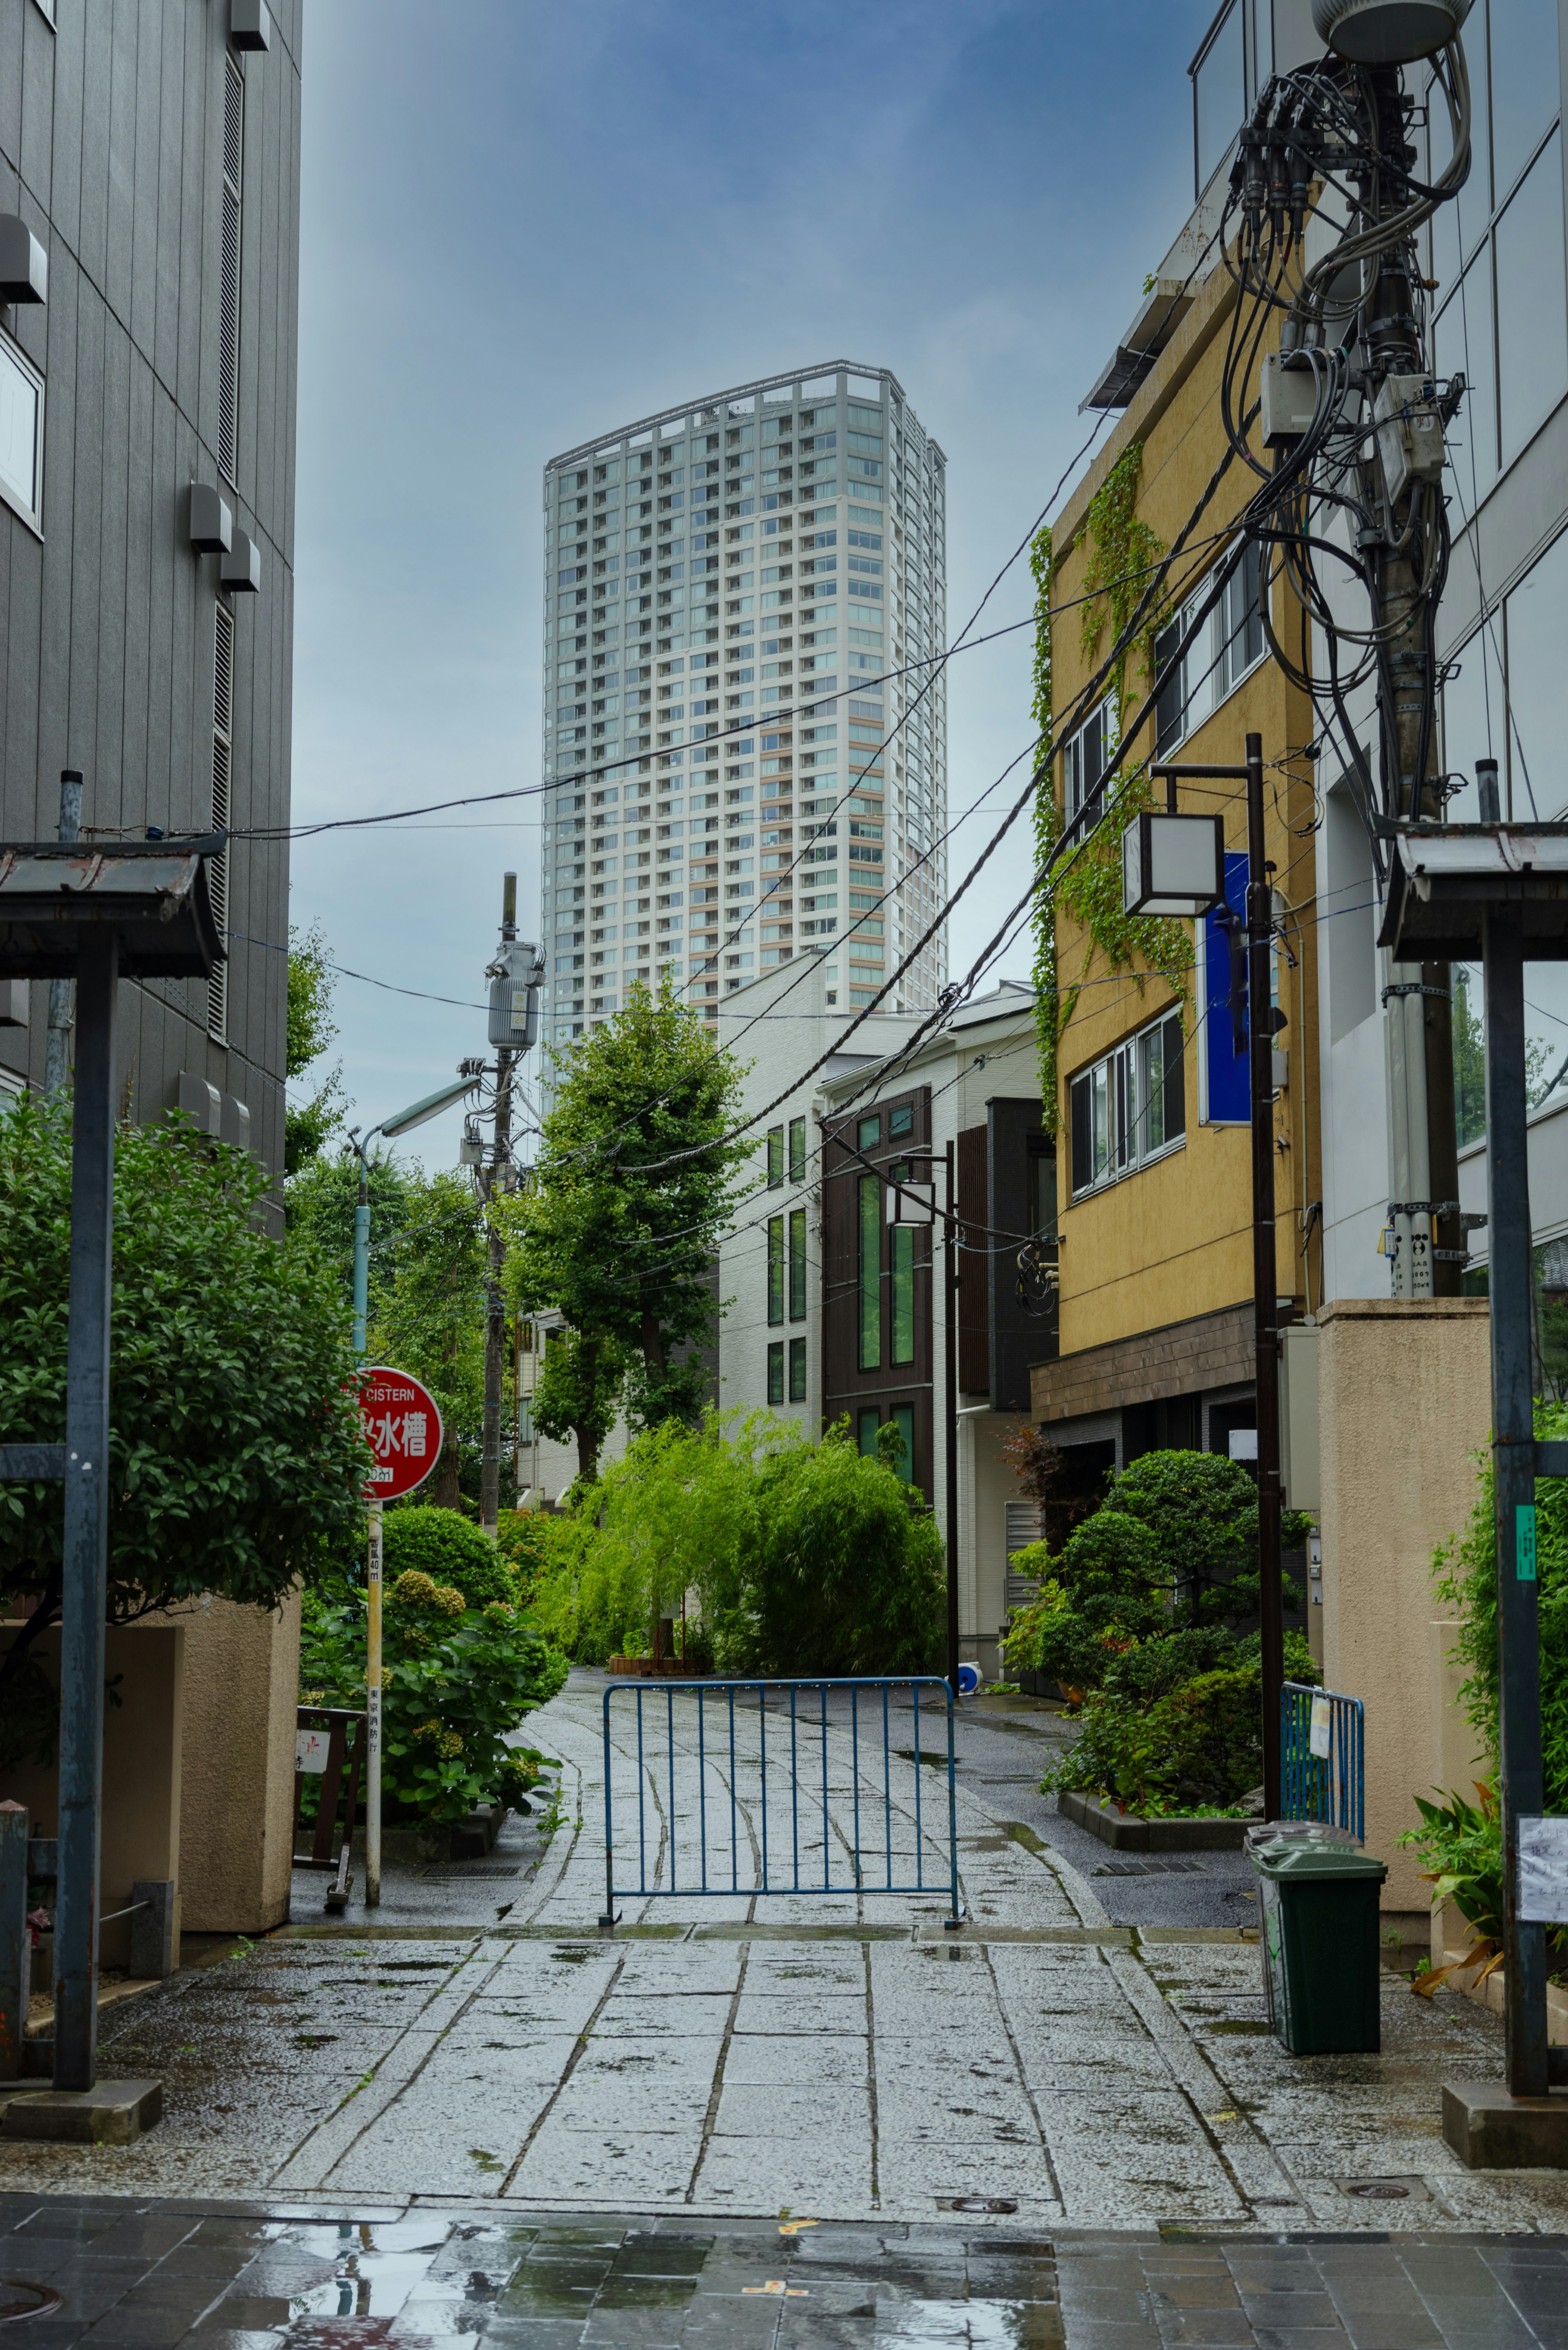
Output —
<point x="749" y="1768"/>
<point x="1322" y="1758"/>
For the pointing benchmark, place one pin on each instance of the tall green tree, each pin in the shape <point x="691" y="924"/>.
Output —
<point x="634" y="1186"/>
<point x="308" y="1125"/>
<point x="578" y="1392"/>
<point x="236" y="1463"/>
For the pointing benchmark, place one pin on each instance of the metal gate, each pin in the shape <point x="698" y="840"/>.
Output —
<point x="1322" y="1758"/>
<point x="756" y="1764"/>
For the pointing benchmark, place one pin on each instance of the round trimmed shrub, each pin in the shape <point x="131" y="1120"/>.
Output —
<point x="448" y="1548"/>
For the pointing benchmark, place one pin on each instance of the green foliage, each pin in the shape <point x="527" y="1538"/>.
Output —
<point x="578" y="1390"/>
<point x="520" y="1539"/>
<point x="450" y="1549"/>
<point x="1172" y="1548"/>
<point x="1462" y="1843"/>
<point x="235" y="1456"/>
<point x="1202" y="1511"/>
<point x="1123" y="552"/>
<point x="456" y="1680"/>
<point x="1137" y="1619"/>
<point x="425" y="1290"/>
<point x="310" y="1029"/>
<point x="614" y="1237"/>
<point x="1465" y="1572"/>
<point x="801" y="1556"/>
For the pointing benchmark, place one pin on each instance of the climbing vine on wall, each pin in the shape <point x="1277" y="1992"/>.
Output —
<point x="1122" y="550"/>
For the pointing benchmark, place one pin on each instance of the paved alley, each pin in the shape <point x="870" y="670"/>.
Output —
<point x="839" y="2056"/>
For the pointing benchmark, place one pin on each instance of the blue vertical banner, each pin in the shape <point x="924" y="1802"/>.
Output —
<point x="1227" y="1072"/>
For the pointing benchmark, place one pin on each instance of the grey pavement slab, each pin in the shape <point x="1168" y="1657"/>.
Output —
<point x="836" y="2054"/>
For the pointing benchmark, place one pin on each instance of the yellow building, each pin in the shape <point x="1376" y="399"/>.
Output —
<point x="1154" y="1143"/>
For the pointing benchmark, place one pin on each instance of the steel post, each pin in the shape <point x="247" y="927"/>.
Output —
<point x="1265" y="1272"/>
<point x="57" y="1036"/>
<point x="495" y="1306"/>
<point x="1513" y="1476"/>
<point x="85" y="1563"/>
<point x="372" y="1711"/>
<point x="950" y="1375"/>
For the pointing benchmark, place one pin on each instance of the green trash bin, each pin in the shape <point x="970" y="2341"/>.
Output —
<point x="1319" y="1938"/>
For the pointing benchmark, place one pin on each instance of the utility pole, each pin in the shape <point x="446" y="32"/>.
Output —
<point x="494" y="1179"/>
<point x="1265" y="1271"/>
<point x="1404" y="490"/>
<point x="950" y="1373"/>
<point x="514" y="978"/>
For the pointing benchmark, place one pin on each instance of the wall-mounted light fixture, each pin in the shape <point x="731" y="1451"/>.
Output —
<point x="24" y="264"/>
<point x="250" y="25"/>
<point x="212" y="523"/>
<point x="240" y="571"/>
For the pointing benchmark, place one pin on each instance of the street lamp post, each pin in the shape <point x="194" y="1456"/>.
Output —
<point x="404" y="1123"/>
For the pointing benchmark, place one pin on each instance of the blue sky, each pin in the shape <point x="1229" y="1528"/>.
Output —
<point x="526" y="225"/>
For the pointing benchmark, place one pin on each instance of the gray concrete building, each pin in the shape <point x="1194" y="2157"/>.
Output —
<point x="149" y="238"/>
<point x="742" y="601"/>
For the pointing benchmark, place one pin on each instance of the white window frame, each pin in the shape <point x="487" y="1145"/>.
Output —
<point x="1085" y="756"/>
<point x="1116" y="1094"/>
<point x="31" y="514"/>
<point x="1210" y="674"/>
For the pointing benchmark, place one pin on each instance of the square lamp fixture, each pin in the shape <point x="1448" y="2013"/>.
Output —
<point x="24" y="264"/>
<point x="911" y="1204"/>
<point x="240" y="571"/>
<point x="1172" y="864"/>
<point x="250" y="25"/>
<point x="212" y="523"/>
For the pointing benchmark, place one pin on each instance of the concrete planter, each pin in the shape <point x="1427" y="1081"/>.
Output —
<point x="1490" y="1994"/>
<point x="421" y="1841"/>
<point x="1131" y="1832"/>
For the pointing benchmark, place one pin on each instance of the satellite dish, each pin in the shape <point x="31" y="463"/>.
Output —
<point x="1388" y="32"/>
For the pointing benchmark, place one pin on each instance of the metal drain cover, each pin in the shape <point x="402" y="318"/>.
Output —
<point x="1403" y="2187"/>
<point x="976" y="2203"/>
<point x="1149" y="1868"/>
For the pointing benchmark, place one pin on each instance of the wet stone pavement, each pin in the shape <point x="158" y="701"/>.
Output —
<point x="410" y="2126"/>
<point x="106" y="2271"/>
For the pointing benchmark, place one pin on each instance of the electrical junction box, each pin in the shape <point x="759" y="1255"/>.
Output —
<point x="1289" y="401"/>
<point x="1410" y="433"/>
<point x="515" y="977"/>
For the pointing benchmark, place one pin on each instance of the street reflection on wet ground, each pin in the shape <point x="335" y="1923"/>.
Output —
<point x="111" y="2272"/>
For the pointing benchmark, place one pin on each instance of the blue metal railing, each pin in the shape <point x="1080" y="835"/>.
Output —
<point x="1322" y="1758"/>
<point x="725" y="1738"/>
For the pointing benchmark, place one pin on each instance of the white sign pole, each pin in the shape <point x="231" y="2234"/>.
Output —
<point x="373" y="1714"/>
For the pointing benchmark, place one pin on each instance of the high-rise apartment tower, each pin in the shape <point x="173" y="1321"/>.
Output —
<point x="745" y="740"/>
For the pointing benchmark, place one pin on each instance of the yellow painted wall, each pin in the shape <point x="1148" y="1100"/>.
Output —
<point x="1174" y="1240"/>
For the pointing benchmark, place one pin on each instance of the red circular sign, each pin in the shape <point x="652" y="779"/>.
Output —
<point x="402" y="1427"/>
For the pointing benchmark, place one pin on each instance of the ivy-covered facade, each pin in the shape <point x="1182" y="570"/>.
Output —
<point x="1139" y="1072"/>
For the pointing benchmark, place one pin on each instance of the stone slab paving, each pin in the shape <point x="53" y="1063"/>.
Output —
<point x="835" y="2054"/>
<point x="155" y="2274"/>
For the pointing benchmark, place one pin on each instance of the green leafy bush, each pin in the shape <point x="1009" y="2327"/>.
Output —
<point x="1465" y="1572"/>
<point x="801" y="1556"/>
<point x="449" y="1548"/>
<point x="456" y="1680"/>
<point x="236" y="1458"/>
<point x="1160" y="1737"/>
<point x="1138" y="1620"/>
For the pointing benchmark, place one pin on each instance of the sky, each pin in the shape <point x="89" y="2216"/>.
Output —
<point x="522" y="227"/>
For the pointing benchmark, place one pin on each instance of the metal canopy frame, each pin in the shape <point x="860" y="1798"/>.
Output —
<point x="140" y="908"/>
